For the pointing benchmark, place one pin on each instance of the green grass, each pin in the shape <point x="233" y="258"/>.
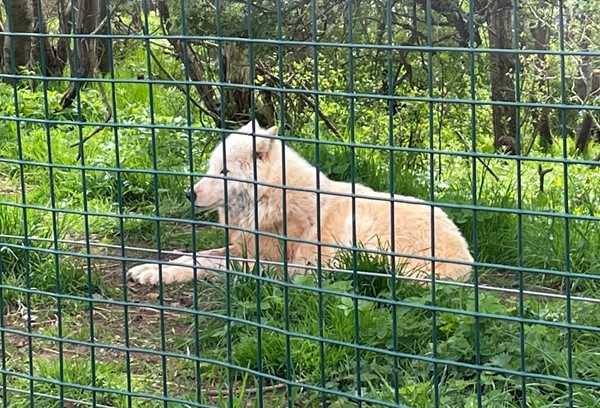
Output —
<point x="88" y="289"/>
<point x="499" y="342"/>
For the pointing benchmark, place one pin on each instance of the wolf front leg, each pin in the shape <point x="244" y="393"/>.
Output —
<point x="179" y="270"/>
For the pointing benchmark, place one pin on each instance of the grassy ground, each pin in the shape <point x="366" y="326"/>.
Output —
<point x="86" y="335"/>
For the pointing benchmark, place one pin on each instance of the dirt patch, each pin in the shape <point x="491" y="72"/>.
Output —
<point x="127" y="315"/>
<point x="507" y="284"/>
<point x="7" y="187"/>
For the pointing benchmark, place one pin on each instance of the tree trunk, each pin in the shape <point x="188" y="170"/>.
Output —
<point x="502" y="65"/>
<point x="1" y="42"/>
<point x="19" y="20"/>
<point x="84" y="60"/>
<point x="584" y="132"/>
<point x="63" y="47"/>
<point x="541" y="118"/>
<point x="102" y="43"/>
<point x="451" y="10"/>
<point x="584" y="86"/>
<point x="542" y="126"/>
<point x="135" y="11"/>
<point x="53" y="64"/>
<point x="235" y="71"/>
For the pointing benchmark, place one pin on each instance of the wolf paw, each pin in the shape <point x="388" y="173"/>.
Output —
<point x="148" y="274"/>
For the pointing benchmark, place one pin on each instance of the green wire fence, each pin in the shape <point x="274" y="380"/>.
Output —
<point x="110" y="111"/>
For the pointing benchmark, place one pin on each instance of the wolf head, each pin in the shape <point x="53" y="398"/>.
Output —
<point x="236" y="159"/>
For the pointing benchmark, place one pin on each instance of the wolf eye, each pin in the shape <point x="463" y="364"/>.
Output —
<point x="224" y="172"/>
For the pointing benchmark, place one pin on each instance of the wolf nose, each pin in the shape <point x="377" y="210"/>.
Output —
<point x="191" y="195"/>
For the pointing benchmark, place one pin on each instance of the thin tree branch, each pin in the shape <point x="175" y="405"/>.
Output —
<point x="460" y="136"/>
<point x="181" y="88"/>
<point x="97" y="130"/>
<point x="266" y="74"/>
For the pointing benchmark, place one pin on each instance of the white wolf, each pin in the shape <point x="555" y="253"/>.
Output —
<point x="411" y="228"/>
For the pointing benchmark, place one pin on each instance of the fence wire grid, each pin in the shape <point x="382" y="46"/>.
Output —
<point x="148" y="258"/>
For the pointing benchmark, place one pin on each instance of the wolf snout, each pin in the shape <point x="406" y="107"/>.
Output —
<point x="191" y="195"/>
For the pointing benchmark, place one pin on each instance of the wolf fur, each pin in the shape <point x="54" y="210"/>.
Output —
<point x="411" y="228"/>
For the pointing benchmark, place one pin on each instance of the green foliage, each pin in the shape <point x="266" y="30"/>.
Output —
<point x="31" y="262"/>
<point x="467" y="332"/>
<point x="498" y="340"/>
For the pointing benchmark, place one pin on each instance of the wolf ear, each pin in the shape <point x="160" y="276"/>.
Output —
<point x="272" y="131"/>
<point x="265" y="144"/>
<point x="263" y="147"/>
<point x="249" y="128"/>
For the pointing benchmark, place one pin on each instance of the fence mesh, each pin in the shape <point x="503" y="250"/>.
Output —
<point x="212" y="203"/>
